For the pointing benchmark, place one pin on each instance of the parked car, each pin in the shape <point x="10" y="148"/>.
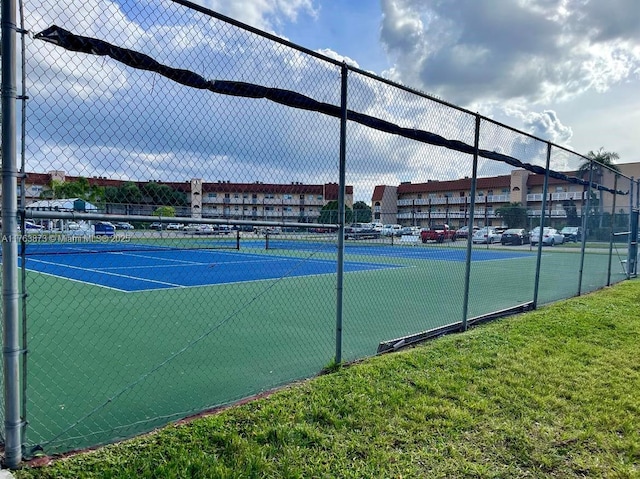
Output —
<point x="156" y="226"/>
<point x="204" y="230"/>
<point x="572" y="233"/>
<point x="30" y="227"/>
<point x="550" y="236"/>
<point x="410" y="231"/>
<point x="463" y="232"/>
<point x="271" y="230"/>
<point x="515" y="236"/>
<point x="320" y="230"/>
<point x="485" y="235"/>
<point x="438" y="233"/>
<point x="361" y="231"/>
<point x="73" y="225"/>
<point x="122" y="225"/>
<point x="246" y="228"/>
<point x="391" y="230"/>
<point x="175" y="226"/>
<point x="104" y="228"/>
<point x="191" y="227"/>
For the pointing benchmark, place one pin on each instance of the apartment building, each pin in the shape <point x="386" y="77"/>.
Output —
<point x="293" y="202"/>
<point x="422" y="204"/>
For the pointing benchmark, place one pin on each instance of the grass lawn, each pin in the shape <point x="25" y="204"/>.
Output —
<point x="550" y="393"/>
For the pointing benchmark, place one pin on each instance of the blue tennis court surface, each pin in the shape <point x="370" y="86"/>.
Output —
<point x="144" y="270"/>
<point x="139" y="267"/>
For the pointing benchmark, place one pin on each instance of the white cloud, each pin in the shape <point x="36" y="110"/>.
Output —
<point x="482" y="53"/>
<point x="263" y="14"/>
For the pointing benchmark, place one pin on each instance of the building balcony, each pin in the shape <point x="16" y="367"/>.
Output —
<point x="453" y="200"/>
<point x="559" y="196"/>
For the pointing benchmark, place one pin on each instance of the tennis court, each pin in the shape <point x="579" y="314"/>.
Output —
<point x="249" y="319"/>
<point x="145" y="270"/>
<point x="135" y="267"/>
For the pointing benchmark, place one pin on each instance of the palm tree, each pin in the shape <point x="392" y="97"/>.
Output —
<point x="601" y="161"/>
<point x="602" y="158"/>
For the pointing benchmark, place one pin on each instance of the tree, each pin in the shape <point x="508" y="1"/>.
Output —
<point x="602" y="158"/>
<point x="572" y="213"/>
<point x="599" y="161"/>
<point x="165" y="211"/>
<point x="361" y="212"/>
<point x="81" y="188"/>
<point x="158" y="194"/>
<point x="515" y="215"/>
<point x="329" y="213"/>
<point x="127" y="193"/>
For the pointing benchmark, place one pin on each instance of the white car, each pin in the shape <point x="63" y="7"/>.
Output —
<point x="30" y="226"/>
<point x="486" y="235"/>
<point x="550" y="236"/>
<point x="391" y="230"/>
<point x="175" y="226"/>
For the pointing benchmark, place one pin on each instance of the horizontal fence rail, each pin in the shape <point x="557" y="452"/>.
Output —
<point x="183" y="229"/>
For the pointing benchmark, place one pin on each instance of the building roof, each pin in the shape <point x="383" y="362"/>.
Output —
<point x="63" y="204"/>
<point x="435" y="186"/>
<point x="378" y="193"/>
<point x="328" y="190"/>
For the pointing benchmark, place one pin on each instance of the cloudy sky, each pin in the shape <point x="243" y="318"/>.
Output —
<point x="567" y="71"/>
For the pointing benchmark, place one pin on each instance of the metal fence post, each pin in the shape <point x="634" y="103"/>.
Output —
<point x="585" y="230"/>
<point x="632" y="248"/>
<point x="612" y="227"/>
<point x="472" y="206"/>
<point x="545" y="190"/>
<point x="10" y="293"/>
<point x="341" y="212"/>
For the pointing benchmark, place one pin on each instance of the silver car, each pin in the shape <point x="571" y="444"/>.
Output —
<point x="486" y="235"/>
<point x="550" y="236"/>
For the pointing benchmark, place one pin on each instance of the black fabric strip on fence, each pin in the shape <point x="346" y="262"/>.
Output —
<point x="93" y="46"/>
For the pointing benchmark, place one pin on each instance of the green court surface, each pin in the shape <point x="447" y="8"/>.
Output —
<point x="105" y="364"/>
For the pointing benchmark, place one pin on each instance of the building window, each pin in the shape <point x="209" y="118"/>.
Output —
<point x="212" y="195"/>
<point x="319" y="197"/>
<point x="288" y="197"/>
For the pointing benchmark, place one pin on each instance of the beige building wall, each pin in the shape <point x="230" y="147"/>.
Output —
<point x="518" y="193"/>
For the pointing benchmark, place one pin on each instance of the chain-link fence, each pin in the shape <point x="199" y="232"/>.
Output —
<point x="207" y="212"/>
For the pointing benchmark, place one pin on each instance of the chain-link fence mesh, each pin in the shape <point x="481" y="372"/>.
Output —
<point x="181" y="222"/>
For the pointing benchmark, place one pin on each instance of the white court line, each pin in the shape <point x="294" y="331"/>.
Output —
<point x="286" y="278"/>
<point x="107" y="273"/>
<point x="91" y="284"/>
<point x="220" y="263"/>
<point x="153" y="257"/>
